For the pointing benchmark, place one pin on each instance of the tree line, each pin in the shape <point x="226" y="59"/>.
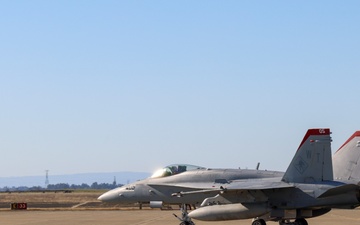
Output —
<point x="94" y="185"/>
<point x="64" y="186"/>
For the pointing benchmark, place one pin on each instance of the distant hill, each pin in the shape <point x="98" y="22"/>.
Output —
<point x="86" y="178"/>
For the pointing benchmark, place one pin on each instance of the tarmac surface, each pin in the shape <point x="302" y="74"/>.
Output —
<point x="83" y="208"/>
<point x="143" y="217"/>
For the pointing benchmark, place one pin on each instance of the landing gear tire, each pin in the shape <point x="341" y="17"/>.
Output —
<point x="259" y="222"/>
<point x="301" y="221"/>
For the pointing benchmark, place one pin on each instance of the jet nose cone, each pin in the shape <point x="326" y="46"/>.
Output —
<point x="102" y="197"/>
<point x="108" y="196"/>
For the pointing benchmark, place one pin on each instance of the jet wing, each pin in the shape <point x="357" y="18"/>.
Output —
<point x="197" y="186"/>
<point x="234" y="185"/>
<point x="249" y="190"/>
<point x="258" y="184"/>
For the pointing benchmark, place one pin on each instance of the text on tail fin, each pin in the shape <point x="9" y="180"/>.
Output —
<point x="319" y="131"/>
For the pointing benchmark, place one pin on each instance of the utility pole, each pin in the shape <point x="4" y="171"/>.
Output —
<point x="46" y="178"/>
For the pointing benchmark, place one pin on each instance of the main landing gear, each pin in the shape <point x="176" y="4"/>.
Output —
<point x="258" y="222"/>
<point x="300" y="221"/>
<point x="185" y="219"/>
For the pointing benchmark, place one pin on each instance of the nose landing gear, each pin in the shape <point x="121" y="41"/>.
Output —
<point x="184" y="219"/>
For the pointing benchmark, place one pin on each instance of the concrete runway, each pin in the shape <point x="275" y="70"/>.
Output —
<point x="144" y="217"/>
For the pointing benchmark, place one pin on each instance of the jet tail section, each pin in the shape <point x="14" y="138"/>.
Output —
<point x="312" y="161"/>
<point x="347" y="159"/>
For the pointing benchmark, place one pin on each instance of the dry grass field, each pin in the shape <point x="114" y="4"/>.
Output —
<point x="77" y="200"/>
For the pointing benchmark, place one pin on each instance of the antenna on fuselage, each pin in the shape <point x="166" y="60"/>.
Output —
<point x="257" y="166"/>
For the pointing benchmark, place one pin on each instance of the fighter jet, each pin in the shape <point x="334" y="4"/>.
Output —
<point x="305" y="190"/>
<point x="166" y="185"/>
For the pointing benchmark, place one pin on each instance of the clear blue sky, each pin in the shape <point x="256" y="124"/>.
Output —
<point x="104" y="86"/>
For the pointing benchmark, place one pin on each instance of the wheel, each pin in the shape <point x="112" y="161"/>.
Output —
<point x="187" y="223"/>
<point x="285" y="222"/>
<point x="301" y="221"/>
<point x="259" y="222"/>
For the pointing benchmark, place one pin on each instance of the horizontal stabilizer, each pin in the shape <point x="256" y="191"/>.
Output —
<point x="339" y="190"/>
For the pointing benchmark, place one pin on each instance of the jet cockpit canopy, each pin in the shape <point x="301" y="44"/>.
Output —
<point x="175" y="169"/>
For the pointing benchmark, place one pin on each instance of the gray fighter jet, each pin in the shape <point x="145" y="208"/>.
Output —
<point x="166" y="184"/>
<point x="306" y="189"/>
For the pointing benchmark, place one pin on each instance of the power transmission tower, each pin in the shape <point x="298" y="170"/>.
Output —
<point x="46" y="178"/>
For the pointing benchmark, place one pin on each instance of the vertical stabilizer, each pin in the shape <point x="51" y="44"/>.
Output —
<point x="312" y="161"/>
<point x="347" y="159"/>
